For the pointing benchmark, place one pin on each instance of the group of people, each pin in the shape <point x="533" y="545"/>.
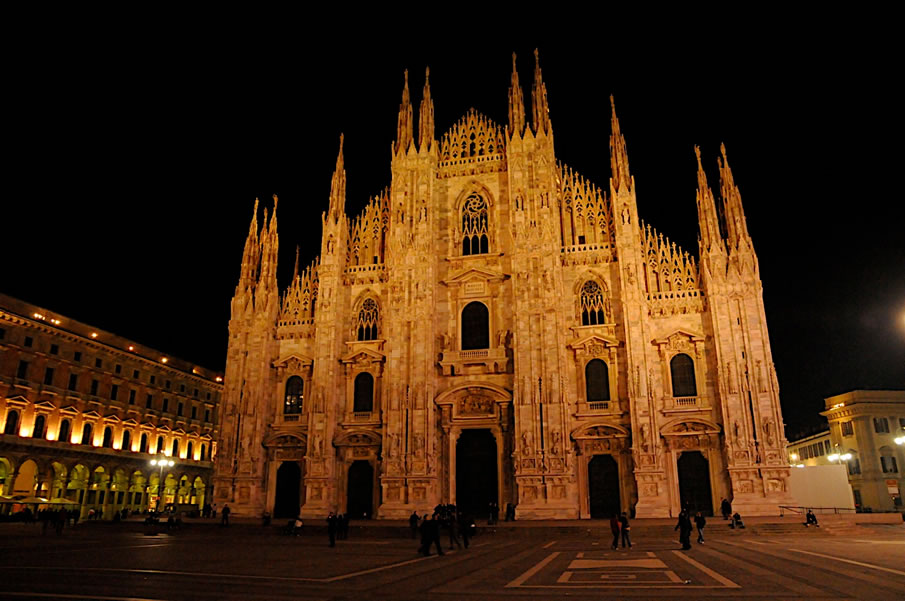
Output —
<point x="446" y="518"/>
<point x="337" y="527"/>
<point x="58" y="518"/>
<point x="620" y="526"/>
<point x="684" y="527"/>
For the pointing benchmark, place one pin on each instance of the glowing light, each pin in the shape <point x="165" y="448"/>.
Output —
<point x="219" y="379"/>
<point x="131" y="348"/>
<point x="51" y="436"/>
<point x="800" y="465"/>
<point x="55" y="322"/>
<point x="38" y="316"/>
<point x="163" y="359"/>
<point x="794" y="456"/>
<point x="94" y="334"/>
<point x="833" y="457"/>
<point x="900" y="440"/>
<point x="846" y="457"/>
<point x="837" y="405"/>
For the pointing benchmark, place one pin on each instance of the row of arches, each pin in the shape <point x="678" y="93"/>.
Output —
<point x="104" y="488"/>
<point x="681" y="367"/>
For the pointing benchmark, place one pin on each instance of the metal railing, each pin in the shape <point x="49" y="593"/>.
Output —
<point x="802" y="509"/>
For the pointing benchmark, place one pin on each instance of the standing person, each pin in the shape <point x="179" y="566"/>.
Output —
<point x="625" y="528"/>
<point x="452" y="526"/>
<point x="224" y="520"/>
<point x="331" y="528"/>
<point x="684" y="528"/>
<point x="413" y="524"/>
<point x="464" y="527"/>
<point x="725" y="508"/>
<point x="700" y="522"/>
<point x="614" y="526"/>
<point x="496" y="512"/>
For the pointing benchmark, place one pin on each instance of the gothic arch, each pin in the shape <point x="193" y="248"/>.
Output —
<point x="700" y="425"/>
<point x="285" y="439"/>
<point x="358" y="438"/>
<point x="599" y="429"/>
<point x="497" y="393"/>
<point x="367" y="321"/>
<point x="474" y="187"/>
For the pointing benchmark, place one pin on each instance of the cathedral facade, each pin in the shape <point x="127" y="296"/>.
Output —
<point x="494" y="327"/>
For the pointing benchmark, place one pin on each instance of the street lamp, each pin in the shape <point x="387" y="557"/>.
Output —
<point x="161" y="462"/>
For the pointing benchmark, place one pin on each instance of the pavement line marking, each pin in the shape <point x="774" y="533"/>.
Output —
<point x="880" y="542"/>
<point x="382" y="568"/>
<point x="649" y="553"/>
<point x="851" y="561"/>
<point x="564" y="577"/>
<point x="579" y="555"/>
<point x="550" y="544"/>
<point x="718" y="577"/>
<point x="754" y="542"/>
<point x="669" y="574"/>
<point x="533" y="570"/>
<point x="71" y="596"/>
<point x="585" y="564"/>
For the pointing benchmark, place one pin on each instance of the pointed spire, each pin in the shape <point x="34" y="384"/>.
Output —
<point x="540" y="110"/>
<point x="295" y="270"/>
<point x="708" y="220"/>
<point x="404" y="123"/>
<point x="619" y="171"/>
<point x="516" y="104"/>
<point x="250" y="255"/>
<point x="270" y="244"/>
<point x="734" y="214"/>
<point x="338" y="185"/>
<point x="426" y="115"/>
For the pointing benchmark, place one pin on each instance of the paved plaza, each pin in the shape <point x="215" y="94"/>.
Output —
<point x="248" y="562"/>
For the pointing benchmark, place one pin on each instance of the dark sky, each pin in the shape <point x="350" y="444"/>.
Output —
<point x="132" y="163"/>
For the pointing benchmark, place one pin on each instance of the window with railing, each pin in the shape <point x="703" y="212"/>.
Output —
<point x="597" y="384"/>
<point x="683" y="380"/>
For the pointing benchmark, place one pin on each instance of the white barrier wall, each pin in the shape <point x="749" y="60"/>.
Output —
<point x="821" y="486"/>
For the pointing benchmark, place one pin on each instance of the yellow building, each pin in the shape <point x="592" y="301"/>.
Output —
<point x="83" y="412"/>
<point x="867" y="432"/>
<point x="495" y="328"/>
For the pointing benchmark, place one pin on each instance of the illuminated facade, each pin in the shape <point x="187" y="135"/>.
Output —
<point x="83" y="411"/>
<point x="496" y="328"/>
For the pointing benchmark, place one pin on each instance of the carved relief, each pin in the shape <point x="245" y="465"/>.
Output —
<point x="475" y="405"/>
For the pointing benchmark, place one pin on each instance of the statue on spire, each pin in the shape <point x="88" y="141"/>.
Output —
<point x="404" y="123"/>
<point x="426" y="115"/>
<point x="540" y="110"/>
<point x="516" y="104"/>
<point x="619" y="172"/>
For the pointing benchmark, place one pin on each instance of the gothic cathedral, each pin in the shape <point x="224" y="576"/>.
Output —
<point x="496" y="328"/>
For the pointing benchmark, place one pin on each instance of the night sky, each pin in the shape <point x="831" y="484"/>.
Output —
<point x="132" y="167"/>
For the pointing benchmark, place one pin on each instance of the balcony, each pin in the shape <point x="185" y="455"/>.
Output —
<point x="684" y="403"/>
<point x="587" y="409"/>
<point x="474" y="361"/>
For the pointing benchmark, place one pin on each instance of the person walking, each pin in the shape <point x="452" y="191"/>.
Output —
<point x="614" y="527"/>
<point x="430" y="535"/>
<point x="725" y="508"/>
<point x="700" y="522"/>
<point x="224" y="519"/>
<point x="625" y="527"/>
<point x="684" y="528"/>
<point x="452" y="526"/>
<point x="413" y="523"/>
<point x="331" y="528"/>
<point x="464" y="527"/>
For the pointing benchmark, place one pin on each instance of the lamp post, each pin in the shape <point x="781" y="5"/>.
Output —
<point x="161" y="462"/>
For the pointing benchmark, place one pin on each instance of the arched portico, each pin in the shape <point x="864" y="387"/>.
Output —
<point x="597" y="444"/>
<point x="283" y="448"/>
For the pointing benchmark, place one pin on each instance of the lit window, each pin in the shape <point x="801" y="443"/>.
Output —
<point x="474" y="226"/>
<point x="292" y="404"/>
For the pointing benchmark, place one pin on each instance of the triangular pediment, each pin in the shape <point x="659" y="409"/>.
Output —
<point x="70" y="410"/>
<point x="147" y="425"/>
<point x="363" y="355"/>
<point x="475" y="274"/>
<point x="163" y="428"/>
<point x="45" y="405"/>
<point x="17" y="399"/>
<point x="179" y="431"/>
<point x="91" y="414"/>
<point x="112" y="418"/>
<point x="130" y="422"/>
<point x="293" y="360"/>
<point x="592" y="340"/>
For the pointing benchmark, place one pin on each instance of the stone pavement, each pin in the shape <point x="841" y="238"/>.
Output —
<point x="248" y="562"/>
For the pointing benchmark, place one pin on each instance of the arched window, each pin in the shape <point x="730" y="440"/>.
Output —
<point x="127" y="441"/>
<point x="364" y="393"/>
<point x="204" y="456"/>
<point x="160" y="444"/>
<point x="474" y="226"/>
<point x="86" y="434"/>
<point x="175" y="448"/>
<point x="475" y="326"/>
<point x="12" y="423"/>
<point x="143" y="444"/>
<point x="683" y="382"/>
<point x="592" y="304"/>
<point x="367" y="320"/>
<point x="293" y="403"/>
<point x="65" y="427"/>
<point x="108" y="437"/>
<point x="38" y="430"/>
<point x="597" y="381"/>
<point x="189" y="453"/>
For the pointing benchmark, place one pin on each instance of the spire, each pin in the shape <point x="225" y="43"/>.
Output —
<point x="338" y="186"/>
<point x="708" y="221"/>
<point x="733" y="213"/>
<point x="516" y="104"/>
<point x="295" y="270"/>
<point x="250" y="255"/>
<point x="404" y="124"/>
<point x="426" y="115"/>
<point x="270" y="244"/>
<point x="619" y="171"/>
<point x="541" y="111"/>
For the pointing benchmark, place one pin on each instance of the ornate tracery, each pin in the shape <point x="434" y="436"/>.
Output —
<point x="475" y="239"/>
<point x="593" y="304"/>
<point x="368" y="317"/>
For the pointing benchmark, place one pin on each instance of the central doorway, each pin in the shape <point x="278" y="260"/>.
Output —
<point x="603" y="486"/>
<point x="289" y="480"/>
<point x="694" y="482"/>
<point x="360" y="492"/>
<point x="476" y="472"/>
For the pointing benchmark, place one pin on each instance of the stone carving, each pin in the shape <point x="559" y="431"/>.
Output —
<point x="731" y="377"/>
<point x="555" y="443"/>
<point x="475" y="405"/>
<point x="769" y="433"/>
<point x="645" y="438"/>
<point x="418" y="444"/>
<point x="526" y="443"/>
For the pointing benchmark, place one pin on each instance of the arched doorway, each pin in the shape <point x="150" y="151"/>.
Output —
<point x="476" y="472"/>
<point x="603" y="486"/>
<point x="360" y="502"/>
<point x="694" y="482"/>
<point x="289" y="480"/>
